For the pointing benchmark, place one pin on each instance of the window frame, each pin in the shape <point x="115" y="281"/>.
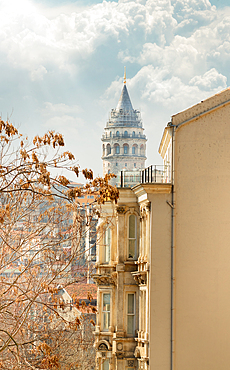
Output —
<point x="133" y="315"/>
<point x="117" y="149"/>
<point x="104" y="360"/>
<point x="126" y="149"/>
<point x="106" y="312"/>
<point x="107" y="245"/>
<point x="131" y="239"/>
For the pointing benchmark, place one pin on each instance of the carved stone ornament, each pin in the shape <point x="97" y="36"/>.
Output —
<point x="119" y="346"/>
<point x="148" y="207"/>
<point x="140" y="277"/>
<point x="137" y="352"/>
<point x="105" y="279"/>
<point x="120" y="210"/>
<point x="103" y="347"/>
<point x="145" y="209"/>
<point x="103" y="354"/>
<point x="130" y="363"/>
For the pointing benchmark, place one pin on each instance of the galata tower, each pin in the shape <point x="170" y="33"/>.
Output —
<point x="124" y="142"/>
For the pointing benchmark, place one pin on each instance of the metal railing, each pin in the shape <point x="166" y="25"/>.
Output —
<point x="151" y="174"/>
<point x="123" y="136"/>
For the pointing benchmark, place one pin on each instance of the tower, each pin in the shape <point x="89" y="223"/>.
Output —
<point x="124" y="142"/>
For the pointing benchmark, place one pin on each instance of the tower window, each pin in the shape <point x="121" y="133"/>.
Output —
<point x="116" y="164"/>
<point x="108" y="149"/>
<point x="125" y="164"/>
<point x="135" y="164"/>
<point x="117" y="149"/>
<point x="126" y="149"/>
<point x="142" y="150"/>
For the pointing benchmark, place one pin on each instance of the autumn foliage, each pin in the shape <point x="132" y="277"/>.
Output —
<point x="41" y="228"/>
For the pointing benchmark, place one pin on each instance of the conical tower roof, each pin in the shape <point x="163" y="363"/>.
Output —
<point x="124" y="101"/>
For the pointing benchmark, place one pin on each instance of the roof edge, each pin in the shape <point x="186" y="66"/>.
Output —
<point x="203" y="107"/>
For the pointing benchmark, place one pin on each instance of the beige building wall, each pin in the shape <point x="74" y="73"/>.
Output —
<point x="202" y="236"/>
<point x="160" y="283"/>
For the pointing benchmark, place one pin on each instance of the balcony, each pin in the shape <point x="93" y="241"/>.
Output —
<point x="151" y="174"/>
<point x="122" y="136"/>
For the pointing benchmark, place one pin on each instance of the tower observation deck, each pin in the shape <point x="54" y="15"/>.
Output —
<point x="123" y="140"/>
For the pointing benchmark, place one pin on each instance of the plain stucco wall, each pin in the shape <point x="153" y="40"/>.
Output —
<point x="160" y="281"/>
<point x="202" y="243"/>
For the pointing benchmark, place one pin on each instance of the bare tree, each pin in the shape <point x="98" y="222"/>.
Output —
<point x="39" y="240"/>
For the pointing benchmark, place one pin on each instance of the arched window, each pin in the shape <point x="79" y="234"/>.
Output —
<point x="126" y="134"/>
<point x="142" y="150"/>
<point x="108" y="149"/>
<point x="132" y="236"/>
<point x="110" y="134"/>
<point x="126" y="149"/>
<point x="134" y="149"/>
<point x="117" y="133"/>
<point x="117" y="148"/>
<point x="133" y="133"/>
<point x="103" y="149"/>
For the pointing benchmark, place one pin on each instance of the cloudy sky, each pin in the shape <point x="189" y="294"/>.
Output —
<point x="62" y="62"/>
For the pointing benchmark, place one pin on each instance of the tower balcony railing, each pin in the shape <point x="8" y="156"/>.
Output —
<point x="123" y="136"/>
<point x="151" y="174"/>
<point x="126" y="155"/>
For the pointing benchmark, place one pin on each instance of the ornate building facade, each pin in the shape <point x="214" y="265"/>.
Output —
<point x="163" y="254"/>
<point x="122" y="332"/>
<point x="124" y="142"/>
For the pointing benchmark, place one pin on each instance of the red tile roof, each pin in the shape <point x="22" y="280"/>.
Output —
<point x="82" y="291"/>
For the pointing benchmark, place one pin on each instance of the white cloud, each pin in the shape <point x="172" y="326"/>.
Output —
<point x="66" y="124"/>
<point x="63" y="118"/>
<point x="38" y="74"/>
<point x="177" y="51"/>
<point x="61" y="109"/>
<point x="209" y="81"/>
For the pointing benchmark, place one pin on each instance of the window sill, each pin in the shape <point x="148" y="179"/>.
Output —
<point x="130" y="262"/>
